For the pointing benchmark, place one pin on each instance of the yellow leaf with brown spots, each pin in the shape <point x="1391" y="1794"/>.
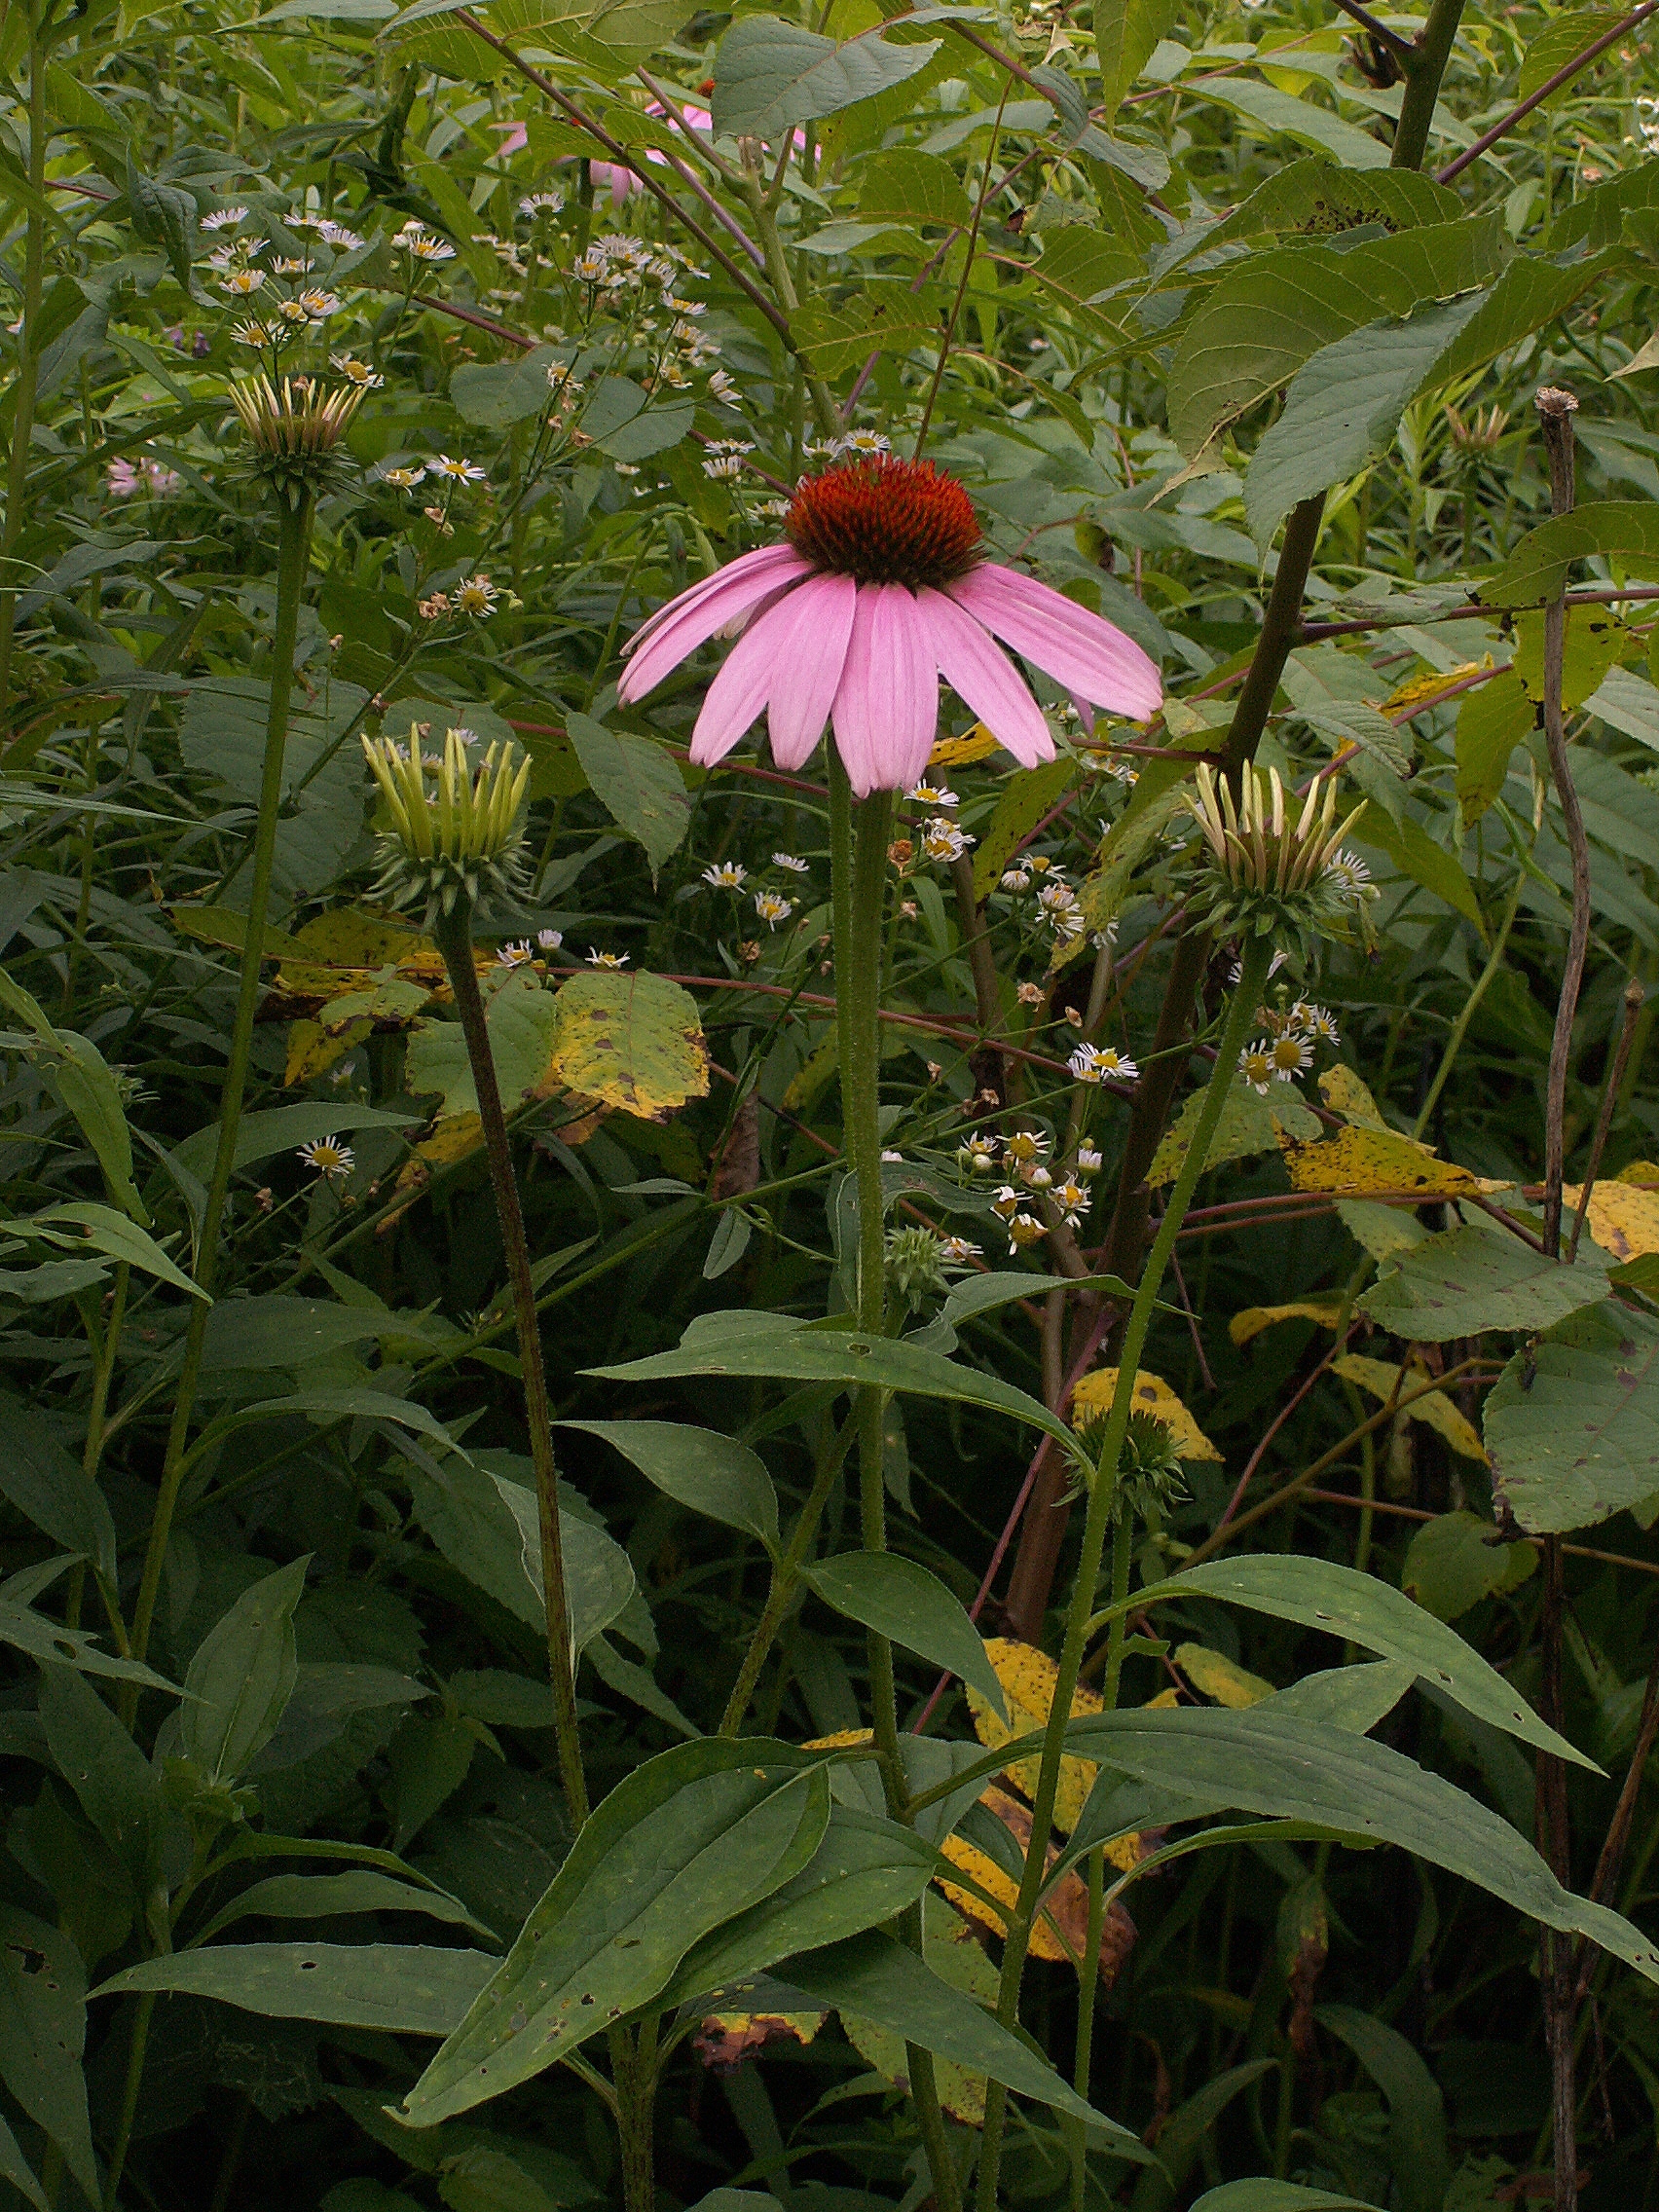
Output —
<point x="632" y="1041"/>
<point x="1215" y="1675"/>
<point x="959" y="752"/>
<point x="1251" y="1320"/>
<point x="1061" y="1931"/>
<point x="1344" y="1094"/>
<point x="1151" y="1395"/>
<point x="725" y="2040"/>
<point x="1436" y="1410"/>
<point x="1028" y="1676"/>
<point x="1360" y="1162"/>
<point x="1623" y="1217"/>
<point x="1643" y="1173"/>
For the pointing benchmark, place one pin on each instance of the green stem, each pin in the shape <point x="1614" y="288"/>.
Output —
<point x="1431" y="49"/>
<point x="454" y="938"/>
<point x="1123" y="1548"/>
<point x="29" y="360"/>
<point x="1241" y="1014"/>
<point x="635" y="2113"/>
<point x="765" y="219"/>
<point x="293" y="554"/>
<point x="1088" y="1981"/>
<point x="786" y="1580"/>
<point x="1466" y="1013"/>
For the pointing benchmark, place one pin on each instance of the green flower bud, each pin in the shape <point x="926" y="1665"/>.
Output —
<point x="1267" y="875"/>
<point x="295" y="434"/>
<point x="457" y="832"/>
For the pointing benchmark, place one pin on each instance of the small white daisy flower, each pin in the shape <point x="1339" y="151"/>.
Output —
<point x="1093" y="1063"/>
<point x="456" y="468"/>
<point x="941" y="840"/>
<point x="242" y="283"/>
<point x="931" y="794"/>
<point x="338" y="237"/>
<point x="790" y="861"/>
<point x="1015" y="879"/>
<point x="224" y="219"/>
<point x="402" y="479"/>
<point x="725" y="875"/>
<point x="550" y="940"/>
<point x="1087" y="1160"/>
<point x="956" y="1251"/>
<point x="1256" y="1065"/>
<point x="1026" y="1144"/>
<point x="535" y="203"/>
<point x="477" y="595"/>
<point x="330" y="1157"/>
<point x="980" y="1153"/>
<point x="1024" y="1229"/>
<point x="598" y="959"/>
<point x="515" y="955"/>
<point x="772" y="908"/>
<point x="861" y="442"/>
<point x="1291" y="1055"/>
<point x="356" y="372"/>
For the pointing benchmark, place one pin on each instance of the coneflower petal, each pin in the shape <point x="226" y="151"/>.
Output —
<point x="886" y="709"/>
<point x="984" y="678"/>
<point x="1090" y="656"/>
<point x="677" y="629"/>
<point x="808" y="632"/>
<point x="739" y="692"/>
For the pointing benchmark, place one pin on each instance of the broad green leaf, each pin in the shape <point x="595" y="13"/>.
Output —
<point x="1573" y="1424"/>
<point x="954" y="1952"/>
<point x="1562" y="40"/>
<point x="1248" y="1124"/>
<point x="403" y="1988"/>
<point x="884" y="315"/>
<point x="282" y="1331"/>
<point x="1026" y="797"/>
<point x="904" y="186"/>
<point x="1360" y="1609"/>
<point x="1281" y="115"/>
<point x="486" y="1527"/>
<point x="1125" y="31"/>
<point x="805" y="1354"/>
<point x="1594" y="643"/>
<point x="1491" y="722"/>
<point x="1538" y="567"/>
<point x="1355" y="1698"/>
<point x="15" y="2168"/>
<point x="521" y="1019"/>
<point x="315" y="1896"/>
<point x="1630" y="704"/>
<point x="222" y="738"/>
<point x="48" y="1488"/>
<point x="1312" y="196"/>
<point x="339" y="1405"/>
<point x="88" y="1090"/>
<point x="1452" y="1563"/>
<point x="1415" y="853"/>
<point x="631" y="1042"/>
<point x="699" y="1467"/>
<point x="115" y="1783"/>
<point x="880" y="1980"/>
<point x="1464" y="1280"/>
<point x="498" y="394"/>
<point x="863" y="1873"/>
<point x="769" y="75"/>
<point x="638" y="783"/>
<point x="1342" y="407"/>
<point x="689" y="1839"/>
<point x="899" y="1600"/>
<point x="42" y="2029"/>
<point x="1417" y="2112"/>
<point x="241" y="1675"/>
<point x="1293" y="1770"/>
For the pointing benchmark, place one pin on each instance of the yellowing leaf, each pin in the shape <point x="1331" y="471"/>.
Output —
<point x="1253" y="1319"/>
<point x="1358" y="1163"/>
<point x="1623" y="1217"/>
<point x="1151" y="1395"/>
<point x="1215" y="1676"/>
<point x="1418" y="689"/>
<point x="1643" y="1173"/>
<point x="1249" y="1123"/>
<point x="1028" y="1676"/>
<point x="1061" y="1932"/>
<point x="632" y="1041"/>
<point x="1166" y="1701"/>
<point x="959" y="752"/>
<point x="1345" y="1094"/>
<point x="726" y="2040"/>
<point x="313" y="1045"/>
<point x="1381" y="1377"/>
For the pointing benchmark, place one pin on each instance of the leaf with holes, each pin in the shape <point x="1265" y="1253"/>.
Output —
<point x="1468" y="1279"/>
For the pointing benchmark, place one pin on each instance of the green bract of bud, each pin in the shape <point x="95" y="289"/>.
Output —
<point x="1150" y="1475"/>
<point x="456" y="831"/>
<point x="294" y="433"/>
<point x="1269" y="872"/>
<point x="915" y="1264"/>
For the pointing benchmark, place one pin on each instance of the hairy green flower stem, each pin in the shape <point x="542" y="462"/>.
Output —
<point x="29" y="353"/>
<point x="858" y="860"/>
<point x="293" y="555"/>
<point x="452" y="935"/>
<point x="1102" y="1496"/>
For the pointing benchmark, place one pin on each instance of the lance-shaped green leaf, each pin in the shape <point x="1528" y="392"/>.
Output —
<point x="403" y="1988"/>
<point x="1297" y="1770"/>
<point x="242" y="1677"/>
<point x="1358" y="1609"/>
<point x="51" y="1489"/>
<point x="54" y="1645"/>
<point x="43" y="2028"/>
<point x="1573" y="1424"/>
<point x="1258" y="2195"/>
<point x="698" y="1467"/>
<point x="689" y="1840"/>
<point x="15" y="2168"/>
<point x="899" y="1600"/>
<point x="880" y="1980"/>
<point x="790" y="1353"/>
<point x="317" y="1897"/>
<point x="90" y="1090"/>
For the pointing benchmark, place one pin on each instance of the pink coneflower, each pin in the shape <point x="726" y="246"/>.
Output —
<point x="880" y="589"/>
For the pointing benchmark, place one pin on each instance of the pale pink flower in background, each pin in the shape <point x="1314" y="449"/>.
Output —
<point x="122" y="480"/>
<point x="879" y="589"/>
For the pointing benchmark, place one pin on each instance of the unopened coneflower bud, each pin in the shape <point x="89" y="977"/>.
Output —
<point x="295" y="434"/>
<point x="1268" y="869"/>
<point x="457" y="827"/>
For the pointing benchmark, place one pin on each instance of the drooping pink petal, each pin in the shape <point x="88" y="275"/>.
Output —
<point x="1086" y="653"/>
<point x="885" y="708"/>
<point x="742" y="686"/>
<point x="677" y="629"/>
<point x="809" y="636"/>
<point x="984" y="678"/>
